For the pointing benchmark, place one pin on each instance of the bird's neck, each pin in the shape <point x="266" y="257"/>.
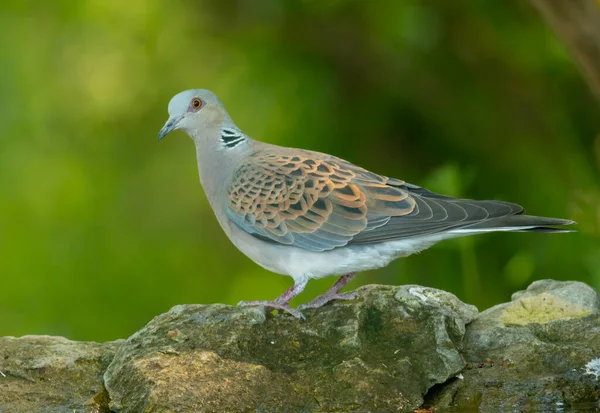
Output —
<point x="218" y="156"/>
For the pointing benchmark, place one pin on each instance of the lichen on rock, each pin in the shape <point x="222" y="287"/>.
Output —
<point x="593" y="368"/>
<point x="545" y="301"/>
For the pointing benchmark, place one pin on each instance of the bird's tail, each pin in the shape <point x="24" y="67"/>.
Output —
<point x="519" y="223"/>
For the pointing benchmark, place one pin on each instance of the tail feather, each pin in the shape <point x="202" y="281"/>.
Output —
<point x="520" y="223"/>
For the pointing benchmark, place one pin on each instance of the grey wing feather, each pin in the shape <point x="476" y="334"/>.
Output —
<point x="436" y="213"/>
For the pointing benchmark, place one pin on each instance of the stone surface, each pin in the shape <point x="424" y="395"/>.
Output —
<point x="53" y="374"/>
<point x="379" y="353"/>
<point x="392" y="350"/>
<point x="535" y="353"/>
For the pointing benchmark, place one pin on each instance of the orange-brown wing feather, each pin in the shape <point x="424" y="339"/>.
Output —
<point x="312" y="203"/>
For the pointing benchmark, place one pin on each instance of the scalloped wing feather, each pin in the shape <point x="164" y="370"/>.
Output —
<point x="319" y="202"/>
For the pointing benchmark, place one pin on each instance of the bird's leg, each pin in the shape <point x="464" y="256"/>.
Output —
<point x="282" y="302"/>
<point x="333" y="293"/>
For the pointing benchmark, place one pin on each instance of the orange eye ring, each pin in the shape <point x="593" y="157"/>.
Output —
<point x="196" y="103"/>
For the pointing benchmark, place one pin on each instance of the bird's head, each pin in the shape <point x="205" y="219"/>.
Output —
<point x="194" y="109"/>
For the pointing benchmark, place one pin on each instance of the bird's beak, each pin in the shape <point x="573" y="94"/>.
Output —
<point x="171" y="125"/>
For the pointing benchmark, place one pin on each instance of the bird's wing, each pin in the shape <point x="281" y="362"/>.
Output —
<point x="320" y="203"/>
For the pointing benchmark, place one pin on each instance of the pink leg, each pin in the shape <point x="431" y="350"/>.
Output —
<point x="281" y="302"/>
<point x="333" y="293"/>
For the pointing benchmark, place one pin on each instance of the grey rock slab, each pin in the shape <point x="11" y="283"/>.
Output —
<point x="536" y="352"/>
<point x="53" y="374"/>
<point x="379" y="353"/>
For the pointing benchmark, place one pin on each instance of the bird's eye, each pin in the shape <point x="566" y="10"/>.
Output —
<point x="196" y="103"/>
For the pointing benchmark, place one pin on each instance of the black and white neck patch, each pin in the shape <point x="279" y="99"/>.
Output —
<point x="232" y="137"/>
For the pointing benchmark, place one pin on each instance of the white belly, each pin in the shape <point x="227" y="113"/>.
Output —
<point x="302" y="264"/>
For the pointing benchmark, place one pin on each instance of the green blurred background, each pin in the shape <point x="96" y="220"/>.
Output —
<point x="102" y="227"/>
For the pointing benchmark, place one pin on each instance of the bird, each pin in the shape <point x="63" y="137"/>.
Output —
<point x="310" y="215"/>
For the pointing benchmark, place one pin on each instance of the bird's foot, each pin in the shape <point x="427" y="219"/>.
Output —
<point x="275" y="305"/>
<point x="327" y="297"/>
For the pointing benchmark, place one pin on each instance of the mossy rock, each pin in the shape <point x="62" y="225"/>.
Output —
<point x="379" y="353"/>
